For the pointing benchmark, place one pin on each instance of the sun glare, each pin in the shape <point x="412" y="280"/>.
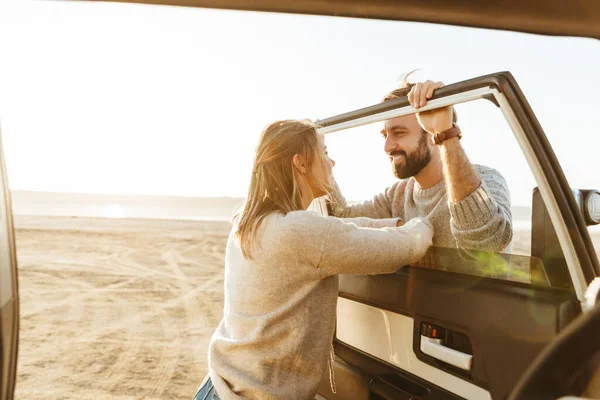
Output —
<point x="114" y="211"/>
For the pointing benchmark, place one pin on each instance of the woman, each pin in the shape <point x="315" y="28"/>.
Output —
<point x="281" y="271"/>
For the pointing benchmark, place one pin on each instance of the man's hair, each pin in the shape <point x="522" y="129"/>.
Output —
<point x="404" y="89"/>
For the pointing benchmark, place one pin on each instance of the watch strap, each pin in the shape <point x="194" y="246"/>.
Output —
<point x="440" y="137"/>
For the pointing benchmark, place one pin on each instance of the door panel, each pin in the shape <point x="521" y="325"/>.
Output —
<point x="362" y="376"/>
<point x="389" y="336"/>
<point x="9" y="299"/>
<point x="507" y="324"/>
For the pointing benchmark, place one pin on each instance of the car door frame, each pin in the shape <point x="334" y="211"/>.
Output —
<point x="502" y="89"/>
<point x="564" y="212"/>
<point x="9" y="311"/>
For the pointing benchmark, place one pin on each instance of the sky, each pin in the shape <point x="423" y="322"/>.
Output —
<point x="138" y="99"/>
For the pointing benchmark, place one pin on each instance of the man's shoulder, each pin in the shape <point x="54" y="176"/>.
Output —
<point x="397" y="189"/>
<point x="399" y="185"/>
<point x="486" y="171"/>
<point x="492" y="178"/>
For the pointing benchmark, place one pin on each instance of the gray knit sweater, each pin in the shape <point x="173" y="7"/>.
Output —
<point x="481" y="221"/>
<point x="279" y="314"/>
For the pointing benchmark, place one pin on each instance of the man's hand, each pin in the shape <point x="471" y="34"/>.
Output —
<point x="461" y="176"/>
<point x="433" y="121"/>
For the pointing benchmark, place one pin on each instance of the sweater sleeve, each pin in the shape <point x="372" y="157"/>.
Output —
<point x="336" y="247"/>
<point x="483" y="220"/>
<point x="379" y="207"/>
<point x="372" y="223"/>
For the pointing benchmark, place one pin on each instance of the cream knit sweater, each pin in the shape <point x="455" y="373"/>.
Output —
<point x="481" y="221"/>
<point x="279" y="314"/>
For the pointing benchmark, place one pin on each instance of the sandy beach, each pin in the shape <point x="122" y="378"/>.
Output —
<point x="116" y="309"/>
<point x="119" y="308"/>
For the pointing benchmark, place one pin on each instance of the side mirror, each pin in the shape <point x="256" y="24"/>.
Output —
<point x="591" y="206"/>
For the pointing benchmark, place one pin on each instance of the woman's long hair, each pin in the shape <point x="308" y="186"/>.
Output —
<point x="274" y="186"/>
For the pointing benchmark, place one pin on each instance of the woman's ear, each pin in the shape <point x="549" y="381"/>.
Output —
<point x="299" y="163"/>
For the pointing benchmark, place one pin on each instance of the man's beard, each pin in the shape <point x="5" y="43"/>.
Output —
<point x="413" y="162"/>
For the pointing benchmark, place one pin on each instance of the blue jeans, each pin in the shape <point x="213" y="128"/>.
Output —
<point x="207" y="392"/>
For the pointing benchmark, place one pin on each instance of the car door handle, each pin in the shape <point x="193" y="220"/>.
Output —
<point x="434" y="348"/>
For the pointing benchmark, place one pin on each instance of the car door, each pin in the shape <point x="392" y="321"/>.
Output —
<point x="9" y="295"/>
<point x="466" y="324"/>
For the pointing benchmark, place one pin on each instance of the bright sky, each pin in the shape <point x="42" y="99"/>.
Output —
<point x="135" y="99"/>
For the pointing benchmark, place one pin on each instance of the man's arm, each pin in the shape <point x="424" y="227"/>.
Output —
<point x="379" y="207"/>
<point x="460" y="175"/>
<point x="480" y="208"/>
<point x="483" y="219"/>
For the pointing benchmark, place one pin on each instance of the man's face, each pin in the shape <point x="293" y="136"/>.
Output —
<point x="407" y="145"/>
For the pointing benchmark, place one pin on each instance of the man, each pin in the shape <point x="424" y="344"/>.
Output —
<point x="468" y="204"/>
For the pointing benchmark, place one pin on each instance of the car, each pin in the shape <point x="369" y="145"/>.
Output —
<point x="428" y="333"/>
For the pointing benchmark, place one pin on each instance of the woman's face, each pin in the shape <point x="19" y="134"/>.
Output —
<point x="321" y="169"/>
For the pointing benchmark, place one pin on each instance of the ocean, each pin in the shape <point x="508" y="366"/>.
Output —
<point x="152" y="207"/>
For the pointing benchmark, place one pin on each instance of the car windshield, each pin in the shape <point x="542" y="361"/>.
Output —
<point x="131" y="100"/>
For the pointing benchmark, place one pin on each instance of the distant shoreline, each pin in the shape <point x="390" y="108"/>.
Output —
<point x="124" y="206"/>
<point x="221" y="209"/>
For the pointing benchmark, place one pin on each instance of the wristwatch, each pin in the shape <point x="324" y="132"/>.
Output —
<point x="438" y="138"/>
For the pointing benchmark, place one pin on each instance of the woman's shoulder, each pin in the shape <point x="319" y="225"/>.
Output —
<point x="295" y="235"/>
<point x="294" y="228"/>
<point x="297" y="220"/>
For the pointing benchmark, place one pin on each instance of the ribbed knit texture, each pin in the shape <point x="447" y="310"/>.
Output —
<point x="481" y="221"/>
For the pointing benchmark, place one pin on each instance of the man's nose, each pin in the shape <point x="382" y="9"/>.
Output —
<point x="389" y="145"/>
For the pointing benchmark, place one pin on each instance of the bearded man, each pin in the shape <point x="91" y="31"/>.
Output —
<point x="468" y="204"/>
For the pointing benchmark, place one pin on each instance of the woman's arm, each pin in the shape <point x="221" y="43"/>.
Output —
<point x="337" y="247"/>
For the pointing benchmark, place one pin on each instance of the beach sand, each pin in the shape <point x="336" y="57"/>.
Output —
<point x="117" y="308"/>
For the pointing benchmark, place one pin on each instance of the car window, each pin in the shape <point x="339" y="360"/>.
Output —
<point x="492" y="147"/>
